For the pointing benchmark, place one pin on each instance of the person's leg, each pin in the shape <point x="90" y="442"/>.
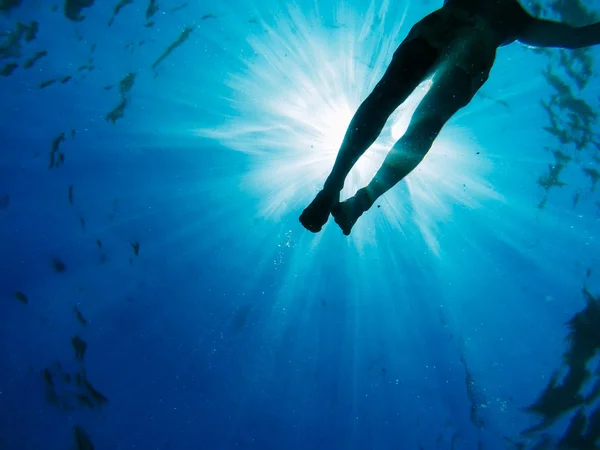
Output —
<point x="452" y="90"/>
<point x="411" y="63"/>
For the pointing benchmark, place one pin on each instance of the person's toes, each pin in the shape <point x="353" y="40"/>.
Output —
<point x="341" y="213"/>
<point x="316" y="214"/>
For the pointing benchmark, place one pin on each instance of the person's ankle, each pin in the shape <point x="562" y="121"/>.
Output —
<point x="332" y="187"/>
<point x="365" y="198"/>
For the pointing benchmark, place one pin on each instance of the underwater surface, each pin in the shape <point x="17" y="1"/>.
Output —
<point x="158" y="292"/>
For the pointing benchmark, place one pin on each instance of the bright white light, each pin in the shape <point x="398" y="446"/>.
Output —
<point x="406" y="110"/>
<point x="295" y="97"/>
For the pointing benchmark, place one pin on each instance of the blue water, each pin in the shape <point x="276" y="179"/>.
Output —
<point x="434" y="325"/>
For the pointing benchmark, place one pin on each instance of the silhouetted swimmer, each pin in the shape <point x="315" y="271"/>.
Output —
<point x="457" y="44"/>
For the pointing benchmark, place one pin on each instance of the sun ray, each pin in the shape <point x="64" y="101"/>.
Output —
<point x="295" y="97"/>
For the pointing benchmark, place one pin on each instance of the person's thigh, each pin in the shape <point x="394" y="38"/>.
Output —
<point x="453" y="88"/>
<point x="413" y="62"/>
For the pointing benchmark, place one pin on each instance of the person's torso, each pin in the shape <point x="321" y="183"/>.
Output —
<point x="505" y="17"/>
<point x="468" y="32"/>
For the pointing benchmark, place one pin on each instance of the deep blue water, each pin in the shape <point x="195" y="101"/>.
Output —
<point x="168" y="241"/>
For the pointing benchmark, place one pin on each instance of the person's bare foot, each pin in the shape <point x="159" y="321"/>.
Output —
<point x="346" y="213"/>
<point x="317" y="213"/>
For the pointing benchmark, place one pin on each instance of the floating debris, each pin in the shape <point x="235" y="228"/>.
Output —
<point x="80" y="318"/>
<point x="10" y="47"/>
<point x="126" y="83"/>
<point x="185" y="34"/>
<point x="125" y="86"/>
<point x="66" y="79"/>
<point x="85" y="400"/>
<point x="594" y="175"/>
<point x="581" y="59"/>
<point x="4" y="202"/>
<point x="472" y="395"/>
<point x="82" y="222"/>
<point x="7" y="5"/>
<point x="31" y="30"/>
<point x="51" y="395"/>
<point x="151" y="9"/>
<point x="58" y="265"/>
<point x="131" y="46"/>
<point x="118" y="7"/>
<point x="135" y="245"/>
<point x="46" y="83"/>
<point x="99" y="243"/>
<point x="82" y="440"/>
<point x="21" y="297"/>
<point x="96" y="396"/>
<point x="54" y="149"/>
<point x="552" y="178"/>
<point x="8" y="69"/>
<point x="561" y="158"/>
<point x="29" y="63"/>
<point x="498" y="101"/>
<point x="71" y="194"/>
<point x="80" y="346"/>
<point x="47" y="377"/>
<point x="73" y="9"/>
<point x="69" y="391"/>
<point x="117" y="113"/>
<point x="179" y="7"/>
<point x="208" y="16"/>
<point x="594" y="393"/>
<point x="563" y="393"/>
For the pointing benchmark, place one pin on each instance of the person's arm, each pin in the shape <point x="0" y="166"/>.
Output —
<point x="546" y="33"/>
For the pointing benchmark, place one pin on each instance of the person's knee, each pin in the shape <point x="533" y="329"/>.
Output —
<point x="373" y="113"/>
<point x="383" y="101"/>
<point x="423" y="131"/>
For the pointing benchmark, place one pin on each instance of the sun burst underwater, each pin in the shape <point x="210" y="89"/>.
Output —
<point x="297" y="91"/>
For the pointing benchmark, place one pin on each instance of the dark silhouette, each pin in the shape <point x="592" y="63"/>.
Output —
<point x="458" y="44"/>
